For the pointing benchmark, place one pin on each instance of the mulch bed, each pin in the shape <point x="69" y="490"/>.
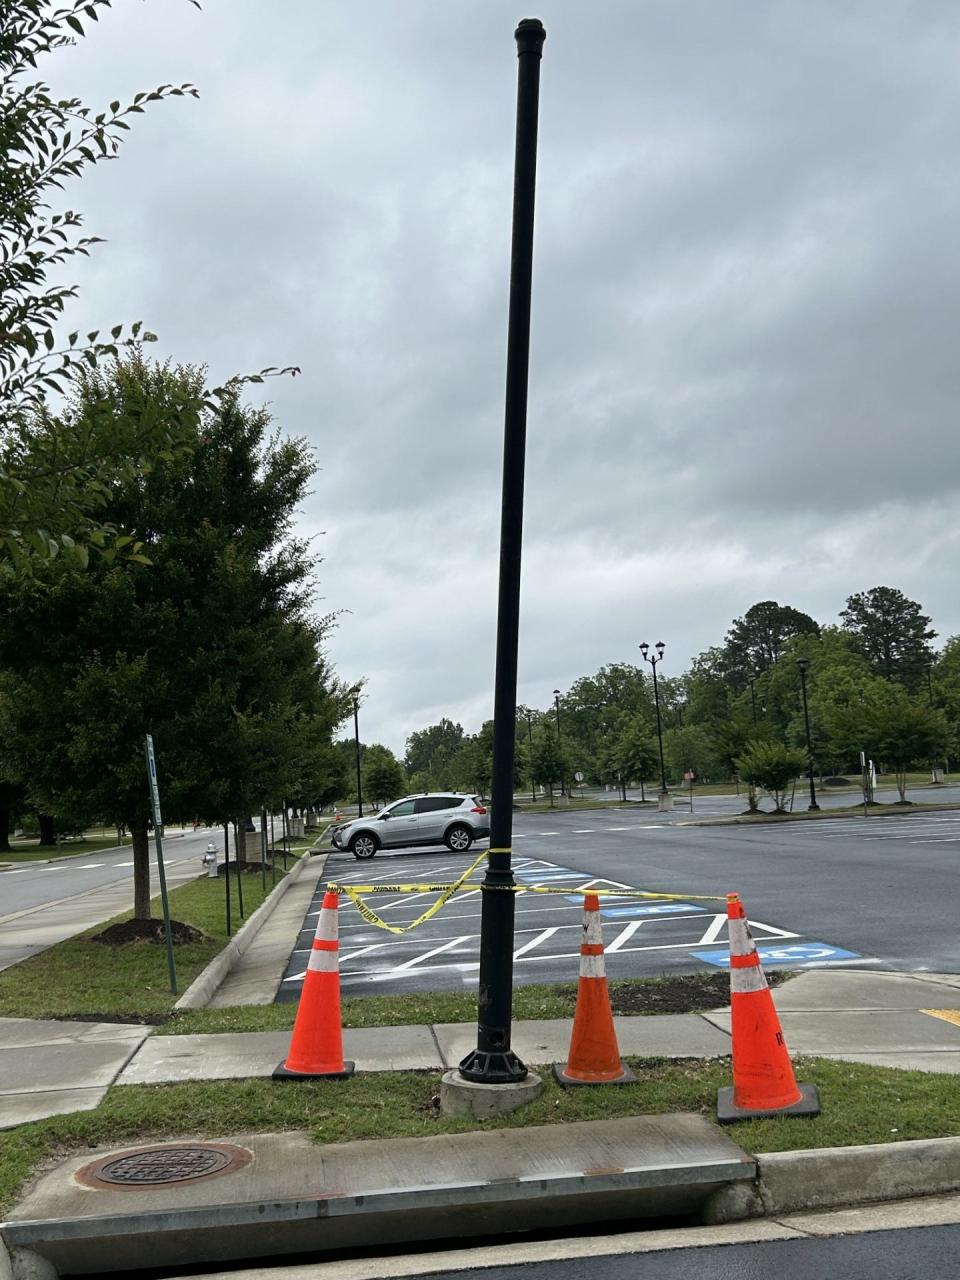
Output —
<point x="147" y="931"/>
<point x="684" y="993"/>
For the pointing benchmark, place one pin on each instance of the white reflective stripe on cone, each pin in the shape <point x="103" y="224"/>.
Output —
<point x="323" y="961"/>
<point x="327" y="925"/>
<point x="592" y="928"/>
<point x="741" y="939"/>
<point x="592" y="967"/>
<point x="748" y="979"/>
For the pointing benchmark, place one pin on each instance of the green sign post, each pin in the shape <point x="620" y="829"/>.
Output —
<point x="157" y="822"/>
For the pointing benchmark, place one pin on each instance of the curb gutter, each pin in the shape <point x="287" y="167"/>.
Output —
<point x="205" y="985"/>
<point x="836" y="1177"/>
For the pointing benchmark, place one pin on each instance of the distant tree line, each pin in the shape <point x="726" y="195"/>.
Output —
<point x="874" y="684"/>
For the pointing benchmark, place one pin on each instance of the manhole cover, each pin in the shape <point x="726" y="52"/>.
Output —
<point x="163" y="1166"/>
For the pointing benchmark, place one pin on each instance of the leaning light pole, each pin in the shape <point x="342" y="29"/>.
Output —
<point x="493" y="1061"/>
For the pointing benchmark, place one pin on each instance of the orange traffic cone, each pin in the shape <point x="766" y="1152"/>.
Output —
<point x="594" y="1054"/>
<point x="763" y="1079"/>
<point x="316" y="1047"/>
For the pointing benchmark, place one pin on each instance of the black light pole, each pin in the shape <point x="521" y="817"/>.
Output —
<point x="753" y="699"/>
<point x="653" y="659"/>
<point x="493" y="1061"/>
<point x="356" y="738"/>
<point x="533" y="786"/>
<point x="556" y="703"/>
<point x="803" y="663"/>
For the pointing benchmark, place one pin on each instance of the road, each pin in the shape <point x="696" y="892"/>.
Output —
<point x="44" y="903"/>
<point x="922" y="1253"/>
<point x="870" y="893"/>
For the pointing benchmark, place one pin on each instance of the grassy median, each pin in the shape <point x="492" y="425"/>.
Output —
<point x="861" y="1104"/>
<point x="83" y="978"/>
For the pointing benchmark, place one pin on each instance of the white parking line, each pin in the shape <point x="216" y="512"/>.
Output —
<point x="447" y="946"/>
<point x="624" y="936"/>
<point x="535" y="942"/>
<point x="585" y="831"/>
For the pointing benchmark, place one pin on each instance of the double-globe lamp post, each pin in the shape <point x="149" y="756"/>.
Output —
<point x="802" y="664"/>
<point x="653" y="659"/>
<point x="356" y="740"/>
<point x="556" y="703"/>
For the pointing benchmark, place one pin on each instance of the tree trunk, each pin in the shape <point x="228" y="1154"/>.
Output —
<point x="141" y="871"/>
<point x="48" y="830"/>
<point x="643" y="794"/>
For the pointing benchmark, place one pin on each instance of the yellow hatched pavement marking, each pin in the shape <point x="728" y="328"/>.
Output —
<point x="948" y="1015"/>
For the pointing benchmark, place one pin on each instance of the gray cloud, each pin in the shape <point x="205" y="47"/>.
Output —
<point x="746" y="299"/>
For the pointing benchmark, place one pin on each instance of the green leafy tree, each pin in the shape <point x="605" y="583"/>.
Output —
<point x="690" y="749"/>
<point x="384" y="777"/>
<point x="633" y="756"/>
<point x="892" y="633"/>
<point x="896" y="731"/>
<point x="759" y="639"/>
<point x="773" y="767"/>
<point x="206" y="640"/>
<point x="549" y="760"/>
<point x="424" y="745"/>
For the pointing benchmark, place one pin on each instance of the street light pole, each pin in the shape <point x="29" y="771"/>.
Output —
<point x="356" y="739"/>
<point x="533" y="785"/>
<point x="803" y="663"/>
<point x="556" y="703"/>
<point x="753" y="700"/>
<point x="653" y="659"/>
<point x="493" y="1061"/>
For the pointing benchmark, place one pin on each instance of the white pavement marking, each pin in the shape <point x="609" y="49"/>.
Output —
<point x="585" y="831"/>
<point x="624" y="936"/>
<point x="546" y="833"/>
<point x="447" y="946"/>
<point x="90" y="866"/>
<point x="714" y="929"/>
<point x="535" y="942"/>
<point x="619" y="828"/>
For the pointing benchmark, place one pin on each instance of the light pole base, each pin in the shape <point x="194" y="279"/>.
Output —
<point x="665" y="802"/>
<point x="492" y="1068"/>
<point x="812" y="807"/>
<point x="462" y="1097"/>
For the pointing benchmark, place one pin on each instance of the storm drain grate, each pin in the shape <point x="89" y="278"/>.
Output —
<point x="163" y="1166"/>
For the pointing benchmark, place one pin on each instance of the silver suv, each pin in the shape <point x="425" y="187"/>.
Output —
<point x="455" y="820"/>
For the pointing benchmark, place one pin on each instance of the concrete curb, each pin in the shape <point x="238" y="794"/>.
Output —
<point x="834" y="1177"/>
<point x="766" y="818"/>
<point x="205" y="985"/>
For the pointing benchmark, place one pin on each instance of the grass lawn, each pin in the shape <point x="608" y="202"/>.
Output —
<point x="30" y="851"/>
<point x="82" y="977"/>
<point x="861" y="1104"/>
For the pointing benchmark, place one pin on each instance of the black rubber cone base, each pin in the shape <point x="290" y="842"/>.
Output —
<point x="281" y="1073"/>
<point x="568" y="1082"/>
<point x="729" y="1113"/>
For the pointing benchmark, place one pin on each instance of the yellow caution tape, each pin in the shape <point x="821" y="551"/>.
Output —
<point x="355" y="893"/>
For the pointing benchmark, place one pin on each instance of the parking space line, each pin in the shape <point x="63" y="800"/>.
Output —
<point x="447" y="946"/>
<point x="624" y="935"/>
<point x="535" y="942"/>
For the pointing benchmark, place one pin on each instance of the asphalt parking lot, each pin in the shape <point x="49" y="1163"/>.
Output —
<point x="620" y="849"/>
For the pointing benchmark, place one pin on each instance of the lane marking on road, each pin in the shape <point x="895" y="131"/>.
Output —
<point x="90" y="866"/>
<point x="714" y="929"/>
<point x="584" y="831"/>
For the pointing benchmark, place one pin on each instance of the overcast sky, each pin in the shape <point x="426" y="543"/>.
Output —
<point x="744" y="369"/>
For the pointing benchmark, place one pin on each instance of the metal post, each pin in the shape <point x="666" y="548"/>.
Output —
<point x="493" y="1061"/>
<point x="263" y="851"/>
<point x="161" y="870"/>
<point x="753" y="699"/>
<point x="285" y="830"/>
<point x="273" y="853"/>
<point x="653" y="659"/>
<point x="803" y="663"/>
<point x="236" y="846"/>
<point x="226" y="867"/>
<point x="556" y="703"/>
<point x="533" y="785"/>
<point x="356" y="738"/>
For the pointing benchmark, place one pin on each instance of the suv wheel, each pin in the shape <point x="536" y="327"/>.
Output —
<point x="364" y="845"/>
<point x="459" y="838"/>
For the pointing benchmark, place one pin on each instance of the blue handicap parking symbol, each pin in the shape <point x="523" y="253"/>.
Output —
<point x="648" y="909"/>
<point x="784" y="953"/>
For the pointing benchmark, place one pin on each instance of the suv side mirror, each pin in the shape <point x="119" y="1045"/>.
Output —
<point x="382" y="817"/>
